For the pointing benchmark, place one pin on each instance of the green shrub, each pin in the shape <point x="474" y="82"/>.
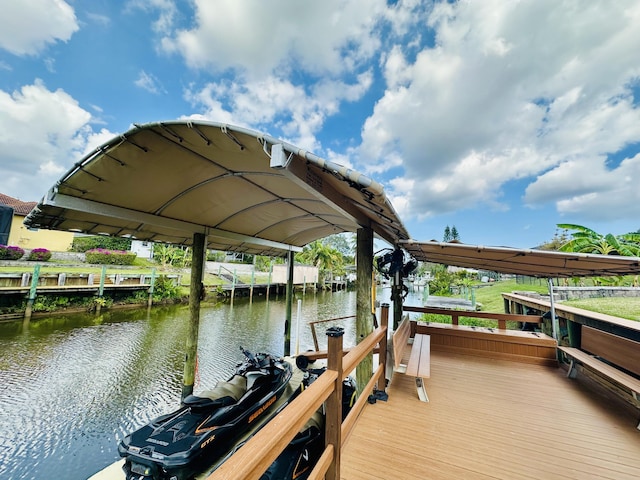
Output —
<point x="82" y="244"/>
<point x="101" y="256"/>
<point x="215" y="256"/>
<point x="10" y="253"/>
<point x="164" y="288"/>
<point x="39" y="255"/>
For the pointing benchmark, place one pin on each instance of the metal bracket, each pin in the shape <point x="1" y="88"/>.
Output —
<point x="573" y="371"/>
<point x="422" y="391"/>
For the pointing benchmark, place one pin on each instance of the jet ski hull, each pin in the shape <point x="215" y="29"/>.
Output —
<point x="205" y="428"/>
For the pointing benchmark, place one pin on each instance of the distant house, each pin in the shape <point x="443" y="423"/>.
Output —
<point x="29" y="238"/>
<point x="142" y="249"/>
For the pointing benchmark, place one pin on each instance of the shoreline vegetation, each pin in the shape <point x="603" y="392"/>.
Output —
<point x="166" y="292"/>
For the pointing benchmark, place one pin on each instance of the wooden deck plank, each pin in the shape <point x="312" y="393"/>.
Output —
<point x="493" y="419"/>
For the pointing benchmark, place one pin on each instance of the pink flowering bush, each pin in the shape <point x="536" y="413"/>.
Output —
<point x="102" y="256"/>
<point x="10" y="252"/>
<point x="39" y="255"/>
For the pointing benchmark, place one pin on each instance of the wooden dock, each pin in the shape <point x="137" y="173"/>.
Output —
<point x="493" y="419"/>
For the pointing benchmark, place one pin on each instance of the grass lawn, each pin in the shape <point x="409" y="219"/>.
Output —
<point x="628" y="308"/>
<point x="624" y="307"/>
<point x="490" y="297"/>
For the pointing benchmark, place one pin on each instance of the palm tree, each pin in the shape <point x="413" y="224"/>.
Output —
<point x="585" y="240"/>
<point x="324" y="257"/>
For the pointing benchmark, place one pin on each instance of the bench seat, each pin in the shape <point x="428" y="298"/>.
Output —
<point x="578" y="356"/>
<point x="419" y="353"/>
<point x="617" y="351"/>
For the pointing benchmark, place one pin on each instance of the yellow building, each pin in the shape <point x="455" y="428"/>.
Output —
<point x="27" y="238"/>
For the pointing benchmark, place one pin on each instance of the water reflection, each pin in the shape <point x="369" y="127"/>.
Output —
<point x="73" y="385"/>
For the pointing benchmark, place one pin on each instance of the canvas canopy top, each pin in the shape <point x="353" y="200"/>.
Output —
<point x="246" y="191"/>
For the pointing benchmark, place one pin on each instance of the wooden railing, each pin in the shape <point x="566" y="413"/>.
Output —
<point x="501" y="318"/>
<point x="255" y="456"/>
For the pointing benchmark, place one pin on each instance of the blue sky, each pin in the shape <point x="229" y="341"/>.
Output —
<point x="502" y="118"/>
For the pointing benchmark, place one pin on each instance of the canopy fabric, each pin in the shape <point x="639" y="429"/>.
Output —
<point x="535" y="263"/>
<point x="246" y="191"/>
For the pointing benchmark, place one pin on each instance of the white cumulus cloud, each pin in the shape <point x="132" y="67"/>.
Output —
<point x="28" y="26"/>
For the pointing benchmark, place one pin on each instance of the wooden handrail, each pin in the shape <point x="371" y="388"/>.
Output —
<point x="322" y="464"/>
<point x="255" y="456"/>
<point x="501" y="318"/>
<point x="357" y="354"/>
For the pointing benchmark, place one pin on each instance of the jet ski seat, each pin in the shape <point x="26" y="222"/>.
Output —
<point x="235" y="388"/>
<point x="222" y="395"/>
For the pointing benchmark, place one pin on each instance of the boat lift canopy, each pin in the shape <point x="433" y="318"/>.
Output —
<point x="246" y="191"/>
<point x="530" y="262"/>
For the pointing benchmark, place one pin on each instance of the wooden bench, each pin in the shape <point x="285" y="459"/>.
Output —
<point x="608" y="355"/>
<point x="419" y="365"/>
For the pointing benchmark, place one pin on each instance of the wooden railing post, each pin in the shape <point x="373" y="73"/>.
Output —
<point x="315" y="336"/>
<point x="333" y="421"/>
<point x="384" y="313"/>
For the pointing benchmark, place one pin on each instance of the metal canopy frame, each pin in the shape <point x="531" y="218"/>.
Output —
<point x="246" y="191"/>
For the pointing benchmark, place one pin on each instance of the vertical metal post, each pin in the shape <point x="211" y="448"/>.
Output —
<point x="364" y="300"/>
<point x="298" y="321"/>
<point x="253" y="279"/>
<point x="333" y="422"/>
<point x="103" y="276"/>
<point x="233" y="286"/>
<point x="32" y="292"/>
<point x="396" y="298"/>
<point x="152" y="284"/>
<point x="554" y="320"/>
<point x="195" y="292"/>
<point x="383" y="361"/>
<point x="269" y="279"/>
<point x="288" y="304"/>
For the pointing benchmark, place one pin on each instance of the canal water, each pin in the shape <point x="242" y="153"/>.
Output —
<point x="72" y="386"/>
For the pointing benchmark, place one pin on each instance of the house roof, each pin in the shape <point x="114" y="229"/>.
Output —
<point x="248" y="192"/>
<point x="19" y="207"/>
<point x="534" y="263"/>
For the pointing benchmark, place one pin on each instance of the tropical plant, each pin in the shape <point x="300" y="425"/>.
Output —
<point x="585" y="240"/>
<point x="328" y="260"/>
<point x="441" y="280"/>
<point x="169" y="255"/>
<point x="165" y="289"/>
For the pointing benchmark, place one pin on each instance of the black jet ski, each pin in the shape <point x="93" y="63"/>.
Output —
<point x="179" y="445"/>
<point x="299" y="457"/>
